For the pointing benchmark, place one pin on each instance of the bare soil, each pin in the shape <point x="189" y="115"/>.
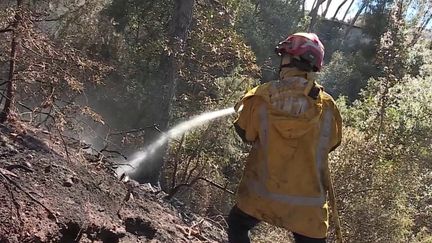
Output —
<point x="48" y="195"/>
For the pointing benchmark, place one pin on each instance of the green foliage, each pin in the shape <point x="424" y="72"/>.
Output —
<point x="215" y="51"/>
<point x="420" y="59"/>
<point x="384" y="162"/>
<point x="266" y="23"/>
<point x="143" y="26"/>
<point x="345" y="75"/>
<point x="382" y="182"/>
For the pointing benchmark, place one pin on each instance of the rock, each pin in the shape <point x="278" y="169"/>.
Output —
<point x="68" y="182"/>
<point x="120" y="231"/>
<point x="148" y="187"/>
<point x="3" y="140"/>
<point x="74" y="179"/>
<point x="71" y="180"/>
<point x="12" y="149"/>
<point x="47" y="169"/>
<point x="28" y="164"/>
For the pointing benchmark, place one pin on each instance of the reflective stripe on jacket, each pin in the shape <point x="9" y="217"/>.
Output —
<point x="285" y="178"/>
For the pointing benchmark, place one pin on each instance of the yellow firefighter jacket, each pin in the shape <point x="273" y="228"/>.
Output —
<point x="286" y="175"/>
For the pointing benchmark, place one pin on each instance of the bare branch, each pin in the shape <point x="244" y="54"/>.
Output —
<point x="113" y="152"/>
<point x="339" y="7"/>
<point x="5" y="30"/>
<point x="314" y="13"/>
<point x="48" y="115"/>
<point x="154" y="126"/>
<point x="176" y="162"/>
<point x="51" y="213"/>
<point x="195" y="180"/>
<point x="353" y="21"/>
<point x="347" y="10"/>
<point x="5" y="82"/>
<point x="64" y="143"/>
<point x="421" y="29"/>
<point x="19" y="166"/>
<point x="327" y="8"/>
<point x="224" y="188"/>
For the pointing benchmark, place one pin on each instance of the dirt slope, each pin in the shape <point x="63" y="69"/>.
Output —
<point x="45" y="197"/>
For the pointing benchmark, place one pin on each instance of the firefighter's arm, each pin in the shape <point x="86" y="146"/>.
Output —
<point x="334" y="141"/>
<point x="240" y="132"/>
<point x="245" y="125"/>
<point x="336" y="137"/>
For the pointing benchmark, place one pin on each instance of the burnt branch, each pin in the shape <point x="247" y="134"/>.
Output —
<point x="113" y="152"/>
<point x="16" y="204"/>
<point x="176" y="162"/>
<point x="3" y="83"/>
<point x="64" y="143"/>
<point x="18" y="186"/>
<point x="193" y="182"/>
<point x="223" y="188"/>
<point x="19" y="166"/>
<point x="48" y="115"/>
<point x="6" y="30"/>
<point x="154" y="126"/>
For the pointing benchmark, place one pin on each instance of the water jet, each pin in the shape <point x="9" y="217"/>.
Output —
<point x="141" y="157"/>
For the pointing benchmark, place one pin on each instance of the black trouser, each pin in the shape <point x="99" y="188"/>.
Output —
<point x="239" y="224"/>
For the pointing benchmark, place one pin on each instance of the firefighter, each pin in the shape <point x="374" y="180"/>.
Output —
<point x="292" y="125"/>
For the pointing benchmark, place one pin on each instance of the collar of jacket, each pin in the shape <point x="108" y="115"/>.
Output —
<point x="287" y="73"/>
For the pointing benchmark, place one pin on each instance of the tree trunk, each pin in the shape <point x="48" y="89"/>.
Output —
<point x="171" y="61"/>
<point x="417" y="34"/>
<point x="338" y="8"/>
<point x="314" y="14"/>
<point x="257" y="5"/>
<point x="327" y="8"/>
<point x="10" y="88"/>
<point x="348" y="9"/>
<point x="313" y="4"/>
<point x="169" y="74"/>
<point x="303" y="6"/>
<point x="365" y="3"/>
<point x="394" y="47"/>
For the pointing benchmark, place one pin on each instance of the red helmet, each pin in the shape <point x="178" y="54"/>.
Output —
<point x="307" y="46"/>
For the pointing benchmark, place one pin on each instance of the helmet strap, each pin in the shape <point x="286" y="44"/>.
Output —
<point x="297" y="62"/>
<point x="284" y="65"/>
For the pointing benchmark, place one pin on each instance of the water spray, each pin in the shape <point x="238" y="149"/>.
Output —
<point x="174" y="132"/>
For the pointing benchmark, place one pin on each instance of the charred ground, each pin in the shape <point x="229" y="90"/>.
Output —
<point x="48" y="195"/>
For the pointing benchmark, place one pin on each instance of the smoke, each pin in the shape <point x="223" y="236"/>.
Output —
<point x="174" y="132"/>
